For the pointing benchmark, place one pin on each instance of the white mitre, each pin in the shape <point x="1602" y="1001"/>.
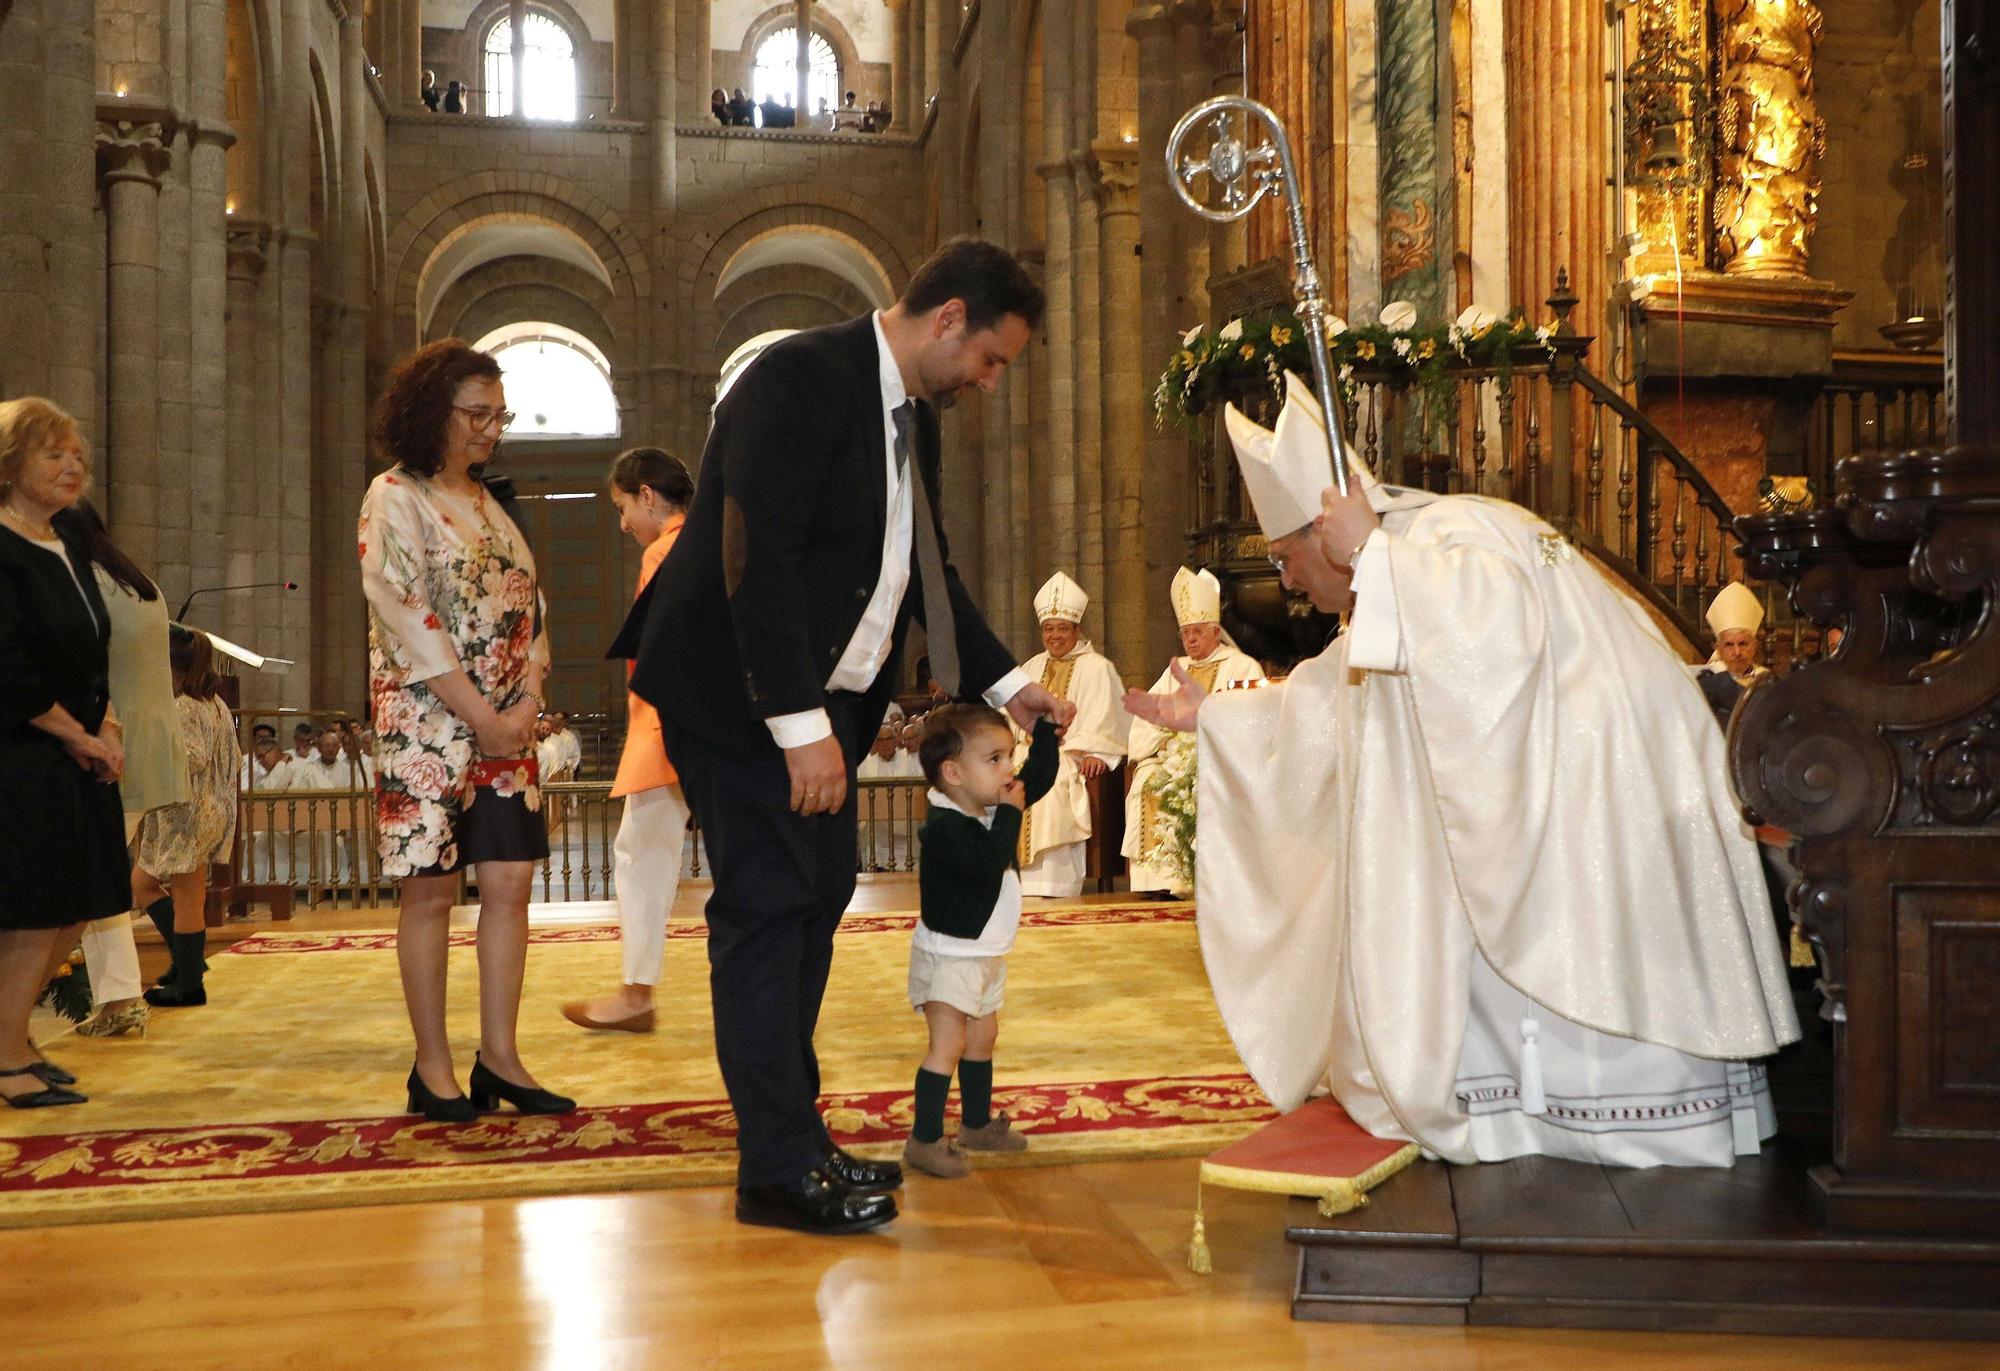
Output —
<point x="1735" y="606"/>
<point x="1285" y="469"/>
<point x="1060" y="598"/>
<point x="1197" y="597"/>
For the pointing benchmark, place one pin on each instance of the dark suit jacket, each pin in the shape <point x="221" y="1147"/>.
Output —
<point x="782" y="549"/>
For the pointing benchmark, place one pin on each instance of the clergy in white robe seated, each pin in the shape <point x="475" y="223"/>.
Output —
<point x="1213" y="659"/>
<point x="1057" y="826"/>
<point x="1476" y="868"/>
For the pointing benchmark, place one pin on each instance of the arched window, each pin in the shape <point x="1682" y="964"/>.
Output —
<point x="776" y="74"/>
<point x="536" y="78"/>
<point x="558" y="383"/>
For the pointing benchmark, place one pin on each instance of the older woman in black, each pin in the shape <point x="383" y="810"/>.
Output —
<point x="62" y="832"/>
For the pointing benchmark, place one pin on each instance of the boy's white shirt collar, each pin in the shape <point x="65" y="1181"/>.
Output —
<point x="940" y="800"/>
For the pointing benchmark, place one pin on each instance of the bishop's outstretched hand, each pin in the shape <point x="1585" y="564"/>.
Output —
<point x="1175" y="710"/>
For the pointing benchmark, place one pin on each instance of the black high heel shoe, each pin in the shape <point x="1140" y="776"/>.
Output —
<point x="49" y="1094"/>
<point x="488" y="1090"/>
<point x="438" y="1108"/>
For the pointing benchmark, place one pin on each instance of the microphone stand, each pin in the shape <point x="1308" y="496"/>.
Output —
<point x="193" y="595"/>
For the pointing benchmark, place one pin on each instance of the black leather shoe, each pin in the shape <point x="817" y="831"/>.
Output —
<point x="871" y="1178"/>
<point x="438" y="1108"/>
<point x="488" y="1088"/>
<point x="817" y="1202"/>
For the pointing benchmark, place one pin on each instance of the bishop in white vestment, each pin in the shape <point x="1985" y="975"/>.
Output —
<point x="1213" y="659"/>
<point x="1475" y="868"/>
<point x="1057" y="826"/>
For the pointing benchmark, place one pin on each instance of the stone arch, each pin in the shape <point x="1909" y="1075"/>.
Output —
<point x="792" y="295"/>
<point x="537" y="197"/>
<point x="471" y="40"/>
<point x="377" y="228"/>
<point x="787" y="206"/>
<point x="577" y="298"/>
<point x="845" y="53"/>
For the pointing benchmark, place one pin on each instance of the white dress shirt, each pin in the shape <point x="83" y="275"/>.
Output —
<point x="868" y="649"/>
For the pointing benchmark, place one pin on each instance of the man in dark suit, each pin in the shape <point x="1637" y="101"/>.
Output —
<point x="770" y="642"/>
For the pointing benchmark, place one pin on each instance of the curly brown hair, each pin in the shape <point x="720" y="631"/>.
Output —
<point x="413" y="414"/>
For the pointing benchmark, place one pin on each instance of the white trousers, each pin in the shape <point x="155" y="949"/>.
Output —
<point x="646" y="857"/>
<point x="1057" y="872"/>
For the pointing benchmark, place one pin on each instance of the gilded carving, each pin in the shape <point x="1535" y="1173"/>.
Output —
<point x="1767" y="193"/>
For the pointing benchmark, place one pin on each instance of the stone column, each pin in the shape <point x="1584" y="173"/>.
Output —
<point x="173" y="565"/>
<point x="409" y="85"/>
<point x="240" y="485"/>
<point x="1228" y="244"/>
<point x="1089" y="388"/>
<point x="347" y="400"/>
<point x="904" y="114"/>
<point x="132" y="155"/>
<point x="292" y="493"/>
<point x="1131" y="581"/>
<point x="1054" y="466"/>
<point x="209" y="140"/>
<point x="1174" y="297"/>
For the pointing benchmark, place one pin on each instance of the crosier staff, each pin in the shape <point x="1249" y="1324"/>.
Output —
<point x="1230" y="166"/>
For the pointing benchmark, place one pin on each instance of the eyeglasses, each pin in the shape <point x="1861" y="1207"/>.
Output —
<point x="1277" y="561"/>
<point x="484" y="418"/>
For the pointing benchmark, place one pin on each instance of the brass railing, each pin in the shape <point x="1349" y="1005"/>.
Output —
<point x="322" y="843"/>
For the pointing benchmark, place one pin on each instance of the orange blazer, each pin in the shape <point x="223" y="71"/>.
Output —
<point x="644" y="765"/>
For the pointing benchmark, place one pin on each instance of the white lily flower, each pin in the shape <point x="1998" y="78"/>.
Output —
<point x="1399" y="315"/>
<point x="1231" y="331"/>
<point x="1187" y="339"/>
<point x="1335" y="326"/>
<point x="1477" y="319"/>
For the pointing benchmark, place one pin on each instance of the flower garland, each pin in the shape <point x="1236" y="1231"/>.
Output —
<point x="1172" y="786"/>
<point x="1250" y="356"/>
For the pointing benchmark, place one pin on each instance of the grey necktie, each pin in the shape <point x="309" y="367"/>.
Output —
<point x="939" y="627"/>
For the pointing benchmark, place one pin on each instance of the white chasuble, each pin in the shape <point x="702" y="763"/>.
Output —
<point x="1477" y="870"/>
<point x="1086" y="678"/>
<point x="1226" y="665"/>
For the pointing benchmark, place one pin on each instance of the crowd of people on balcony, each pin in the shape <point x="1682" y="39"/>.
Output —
<point x="734" y="109"/>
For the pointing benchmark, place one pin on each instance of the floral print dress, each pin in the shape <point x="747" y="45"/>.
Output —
<point x="450" y="584"/>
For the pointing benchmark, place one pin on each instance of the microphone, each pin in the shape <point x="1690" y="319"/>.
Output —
<point x="221" y="590"/>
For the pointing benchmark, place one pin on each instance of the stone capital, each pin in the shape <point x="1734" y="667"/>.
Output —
<point x="215" y="132"/>
<point x="134" y="138"/>
<point x="1150" y="21"/>
<point x="247" y="240"/>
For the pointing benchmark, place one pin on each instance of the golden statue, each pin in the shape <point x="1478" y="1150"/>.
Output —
<point x="1767" y="192"/>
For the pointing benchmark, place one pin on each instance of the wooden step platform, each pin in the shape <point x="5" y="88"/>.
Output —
<point x="1554" y="1244"/>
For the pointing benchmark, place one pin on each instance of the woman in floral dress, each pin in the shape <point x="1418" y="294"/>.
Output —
<point x="456" y="653"/>
<point x="179" y="842"/>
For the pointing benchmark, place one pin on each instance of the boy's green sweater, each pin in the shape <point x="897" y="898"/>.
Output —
<point x="964" y="861"/>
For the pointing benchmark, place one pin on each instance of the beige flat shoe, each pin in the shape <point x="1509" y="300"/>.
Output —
<point x="997" y="1135"/>
<point x="578" y="1013"/>
<point x="943" y="1158"/>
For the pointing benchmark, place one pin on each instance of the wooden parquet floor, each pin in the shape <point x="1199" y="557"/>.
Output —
<point x="1063" y="1267"/>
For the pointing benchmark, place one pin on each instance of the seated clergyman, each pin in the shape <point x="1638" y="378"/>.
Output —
<point x="1213" y="659"/>
<point x="1058" y="826"/>
<point x="1475" y="868"/>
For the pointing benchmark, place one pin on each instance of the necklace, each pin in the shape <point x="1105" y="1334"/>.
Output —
<point x="47" y="533"/>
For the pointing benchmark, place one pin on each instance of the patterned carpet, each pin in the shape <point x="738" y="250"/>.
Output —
<point x="274" y="1097"/>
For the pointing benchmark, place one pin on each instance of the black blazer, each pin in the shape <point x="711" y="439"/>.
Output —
<point x="782" y="549"/>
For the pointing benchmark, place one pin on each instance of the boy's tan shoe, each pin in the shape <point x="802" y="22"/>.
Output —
<point x="997" y="1136"/>
<point x="942" y="1158"/>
